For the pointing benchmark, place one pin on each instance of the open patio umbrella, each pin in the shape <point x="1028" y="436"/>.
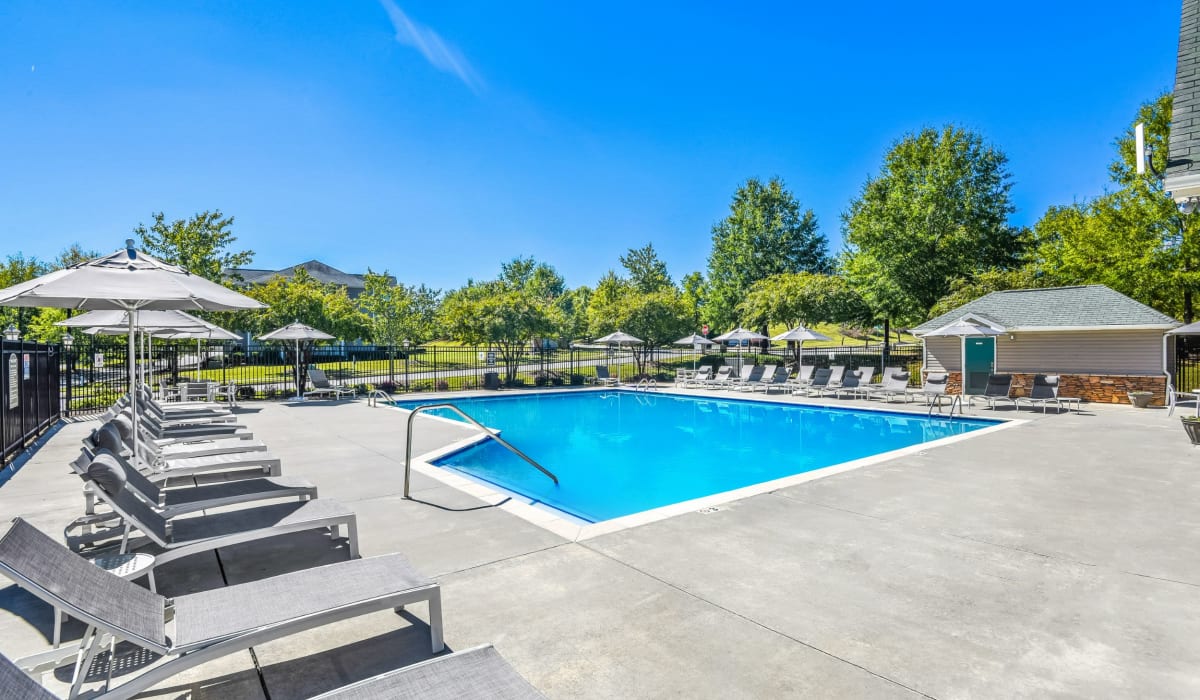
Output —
<point x="964" y="328"/>
<point x="798" y="335"/>
<point x="696" y="341"/>
<point x="618" y="338"/>
<point x="739" y="334"/>
<point x="296" y="331"/>
<point x="126" y="280"/>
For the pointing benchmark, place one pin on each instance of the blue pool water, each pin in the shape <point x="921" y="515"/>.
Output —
<point x="621" y="452"/>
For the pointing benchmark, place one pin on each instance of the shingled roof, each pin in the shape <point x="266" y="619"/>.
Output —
<point x="1183" y="156"/>
<point x="1088" y="307"/>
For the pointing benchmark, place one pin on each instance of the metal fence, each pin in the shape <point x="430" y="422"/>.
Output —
<point x="29" y="394"/>
<point x="98" y="366"/>
<point x="1187" y="362"/>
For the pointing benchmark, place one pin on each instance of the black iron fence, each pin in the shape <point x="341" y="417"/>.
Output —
<point x="98" y="366"/>
<point x="1187" y="362"/>
<point x="29" y="394"/>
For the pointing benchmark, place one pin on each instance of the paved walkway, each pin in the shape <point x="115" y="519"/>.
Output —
<point x="1057" y="558"/>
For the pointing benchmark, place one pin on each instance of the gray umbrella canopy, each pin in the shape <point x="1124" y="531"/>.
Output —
<point x="619" y="338"/>
<point x="296" y="331"/>
<point x="694" y="339"/>
<point x="1189" y="329"/>
<point x="799" y="334"/>
<point x="118" y="320"/>
<point x="963" y="328"/>
<point x="128" y="280"/>
<point x="739" y="333"/>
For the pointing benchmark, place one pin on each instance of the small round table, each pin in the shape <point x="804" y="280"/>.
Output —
<point x="127" y="566"/>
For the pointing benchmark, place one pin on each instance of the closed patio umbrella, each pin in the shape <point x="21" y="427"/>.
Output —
<point x="296" y="331"/>
<point x="126" y="280"/>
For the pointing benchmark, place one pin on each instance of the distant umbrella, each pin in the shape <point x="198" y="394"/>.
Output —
<point x="694" y="341"/>
<point x="296" y="331"/>
<point x="963" y="328"/>
<point x="618" y="338"/>
<point x="798" y="335"/>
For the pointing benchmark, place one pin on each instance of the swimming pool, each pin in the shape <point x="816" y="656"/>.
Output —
<point x="621" y="452"/>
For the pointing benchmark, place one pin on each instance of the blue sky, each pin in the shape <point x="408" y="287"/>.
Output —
<point x="435" y="139"/>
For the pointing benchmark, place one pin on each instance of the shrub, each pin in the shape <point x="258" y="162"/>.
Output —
<point x="443" y="385"/>
<point x="246" y="393"/>
<point x="514" y="383"/>
<point x="386" y="387"/>
<point x="556" y="380"/>
<point x="541" y="380"/>
<point x="578" y="380"/>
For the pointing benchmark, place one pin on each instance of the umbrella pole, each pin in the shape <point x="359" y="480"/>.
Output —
<point x="299" y="389"/>
<point x="133" y="397"/>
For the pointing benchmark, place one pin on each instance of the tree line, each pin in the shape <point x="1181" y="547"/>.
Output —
<point x="929" y="231"/>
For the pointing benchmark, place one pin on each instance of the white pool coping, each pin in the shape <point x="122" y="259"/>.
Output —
<point x="575" y="529"/>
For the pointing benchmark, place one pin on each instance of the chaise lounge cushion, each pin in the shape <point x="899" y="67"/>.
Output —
<point x="107" y="472"/>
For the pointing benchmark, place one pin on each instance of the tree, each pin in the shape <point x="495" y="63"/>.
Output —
<point x="646" y="271"/>
<point x="199" y="245"/>
<point x="1133" y="239"/>
<point x="539" y="279"/>
<point x="656" y="318"/>
<point x="572" y="313"/>
<point x="325" y="307"/>
<point x="14" y="270"/>
<point x="766" y="233"/>
<point x="936" y="212"/>
<point x="803" y="298"/>
<point x="397" y="313"/>
<point x="695" y="291"/>
<point x="73" y="255"/>
<point x="500" y="315"/>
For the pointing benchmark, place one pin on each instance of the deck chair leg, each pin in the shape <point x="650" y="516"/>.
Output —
<point x="87" y="652"/>
<point x="435" y="621"/>
<point x="352" y="537"/>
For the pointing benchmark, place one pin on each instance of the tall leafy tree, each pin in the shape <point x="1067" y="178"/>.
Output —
<point x="396" y="313"/>
<point x="647" y="272"/>
<point x="16" y="269"/>
<point x="936" y="212"/>
<point x="501" y="315"/>
<point x="1133" y="238"/>
<point x="201" y="245"/>
<point x="796" y="298"/>
<point x="656" y="318"/>
<point x="766" y="233"/>
<point x="572" y="313"/>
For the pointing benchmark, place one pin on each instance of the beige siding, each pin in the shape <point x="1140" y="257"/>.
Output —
<point x="943" y="354"/>
<point x="1082" y="352"/>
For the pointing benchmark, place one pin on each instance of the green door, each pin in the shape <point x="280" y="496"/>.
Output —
<point x="979" y="357"/>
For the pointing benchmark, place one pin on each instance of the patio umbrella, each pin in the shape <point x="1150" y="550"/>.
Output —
<point x="798" y="335"/>
<point x="296" y="331"/>
<point x="964" y="328"/>
<point x="694" y="340"/>
<point x="618" y="338"/>
<point x="126" y="280"/>
<point x="739" y="334"/>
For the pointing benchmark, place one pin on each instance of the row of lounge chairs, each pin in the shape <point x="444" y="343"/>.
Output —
<point x="148" y="503"/>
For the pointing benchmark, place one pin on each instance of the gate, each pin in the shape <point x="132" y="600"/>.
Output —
<point x="29" y="394"/>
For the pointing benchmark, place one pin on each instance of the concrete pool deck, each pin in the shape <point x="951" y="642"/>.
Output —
<point x="1055" y="558"/>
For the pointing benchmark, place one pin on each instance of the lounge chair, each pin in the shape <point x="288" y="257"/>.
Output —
<point x="777" y="380"/>
<point x="206" y="625"/>
<point x="189" y="431"/>
<point x="720" y="378"/>
<point x="895" y="383"/>
<point x="998" y="388"/>
<point x="603" y="378"/>
<point x="856" y="383"/>
<point x="1045" y="392"/>
<point x="181" y="537"/>
<point x="702" y="375"/>
<point x="803" y="377"/>
<point x="478" y="673"/>
<point x="837" y="374"/>
<point x="820" y="380"/>
<point x="323" y="387"/>
<point x="174" y="502"/>
<point x="750" y="374"/>
<point x="163" y="454"/>
<point x="761" y="378"/>
<point x="934" y="387"/>
<point x="159" y="467"/>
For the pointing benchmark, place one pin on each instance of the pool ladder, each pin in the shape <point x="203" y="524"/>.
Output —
<point x="648" y="384"/>
<point x="376" y="394"/>
<point x="487" y="431"/>
<point x="955" y="402"/>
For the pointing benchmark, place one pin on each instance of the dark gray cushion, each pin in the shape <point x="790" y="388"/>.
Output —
<point x="107" y="472"/>
<point x="124" y="426"/>
<point x="108" y="437"/>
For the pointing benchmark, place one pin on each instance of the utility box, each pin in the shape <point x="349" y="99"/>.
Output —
<point x="491" y="380"/>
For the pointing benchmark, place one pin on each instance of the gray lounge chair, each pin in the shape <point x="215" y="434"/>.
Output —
<point x="998" y="388"/>
<point x="762" y="378"/>
<point x="182" y="537"/>
<point x="479" y="673"/>
<point x="803" y="377"/>
<point x="203" y="626"/>
<point x="603" y="378"/>
<point x="1045" y="392"/>
<point x="15" y="683"/>
<point x="323" y="387"/>
<point x="856" y="383"/>
<point x="720" y="378"/>
<point x="777" y="380"/>
<point x="895" y="383"/>
<point x="187" y="431"/>
<point x="934" y="387"/>
<point x="174" y="502"/>
<point x="188" y="459"/>
<point x="820" y="380"/>
<point x="702" y="375"/>
<point x="750" y="374"/>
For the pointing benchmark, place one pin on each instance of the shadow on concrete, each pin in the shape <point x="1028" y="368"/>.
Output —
<point x="485" y="506"/>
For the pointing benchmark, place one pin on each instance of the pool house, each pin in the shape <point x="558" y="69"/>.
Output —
<point x="1100" y="342"/>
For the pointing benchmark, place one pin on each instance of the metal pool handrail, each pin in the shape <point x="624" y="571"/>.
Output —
<point x="487" y="431"/>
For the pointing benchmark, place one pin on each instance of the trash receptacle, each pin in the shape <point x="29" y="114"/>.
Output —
<point x="491" y="380"/>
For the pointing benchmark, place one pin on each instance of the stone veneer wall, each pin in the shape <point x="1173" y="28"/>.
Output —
<point x="1097" y="388"/>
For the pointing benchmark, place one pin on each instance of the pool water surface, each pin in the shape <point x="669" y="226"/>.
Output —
<point x="620" y="452"/>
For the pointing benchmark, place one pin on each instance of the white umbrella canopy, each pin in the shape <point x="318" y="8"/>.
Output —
<point x="963" y="328"/>
<point x="128" y="280"/>
<point x="798" y="335"/>
<point x="694" y="340"/>
<point x="739" y="333"/>
<point x="619" y="338"/>
<point x="296" y="331"/>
